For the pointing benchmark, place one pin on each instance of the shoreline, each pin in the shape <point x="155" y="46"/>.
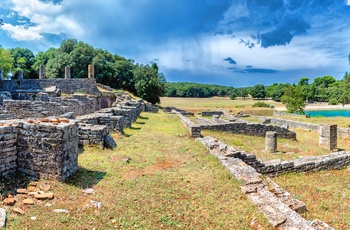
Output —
<point x="315" y="107"/>
<point x="326" y="107"/>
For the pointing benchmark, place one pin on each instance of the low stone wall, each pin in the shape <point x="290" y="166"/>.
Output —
<point x="176" y="110"/>
<point x="68" y="86"/>
<point x="211" y="113"/>
<point x="113" y="123"/>
<point x="8" y="150"/>
<point x="92" y="134"/>
<point x="194" y="129"/>
<point x="250" y="129"/>
<point x="47" y="151"/>
<point x="78" y="104"/>
<point x="336" y="160"/>
<point x="341" y="132"/>
<point x="289" y="123"/>
<point x="280" y="208"/>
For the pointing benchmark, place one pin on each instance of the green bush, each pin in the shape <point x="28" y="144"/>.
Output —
<point x="261" y="104"/>
<point x="332" y="101"/>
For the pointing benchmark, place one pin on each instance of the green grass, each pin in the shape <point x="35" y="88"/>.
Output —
<point x="171" y="182"/>
<point x="326" y="194"/>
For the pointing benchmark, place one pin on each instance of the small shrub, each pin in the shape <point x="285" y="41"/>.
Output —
<point x="261" y="104"/>
<point x="332" y="101"/>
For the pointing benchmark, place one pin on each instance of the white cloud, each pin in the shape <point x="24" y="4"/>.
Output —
<point x="44" y="18"/>
<point x="348" y="3"/>
<point x="20" y="33"/>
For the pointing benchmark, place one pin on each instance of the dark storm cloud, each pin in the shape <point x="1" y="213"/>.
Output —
<point x="277" y="22"/>
<point x="230" y="60"/>
<point x="251" y="69"/>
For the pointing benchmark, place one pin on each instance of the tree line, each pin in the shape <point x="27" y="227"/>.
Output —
<point x="294" y="96"/>
<point x="113" y="70"/>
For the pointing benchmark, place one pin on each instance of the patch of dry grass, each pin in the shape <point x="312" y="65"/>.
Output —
<point x="215" y="103"/>
<point x="326" y="194"/>
<point x="171" y="182"/>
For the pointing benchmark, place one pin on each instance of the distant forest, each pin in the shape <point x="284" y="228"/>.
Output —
<point x="322" y="89"/>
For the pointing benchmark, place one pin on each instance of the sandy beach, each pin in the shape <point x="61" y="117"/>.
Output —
<point x="318" y="106"/>
<point x="325" y="106"/>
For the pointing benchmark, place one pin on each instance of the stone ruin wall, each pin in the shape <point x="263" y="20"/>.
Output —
<point x="78" y="104"/>
<point x="281" y="208"/>
<point x="39" y="150"/>
<point x="8" y="149"/>
<point x="341" y="132"/>
<point x="67" y="86"/>
<point x="47" y="151"/>
<point x="253" y="129"/>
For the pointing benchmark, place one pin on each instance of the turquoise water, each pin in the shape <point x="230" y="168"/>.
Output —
<point x="329" y="113"/>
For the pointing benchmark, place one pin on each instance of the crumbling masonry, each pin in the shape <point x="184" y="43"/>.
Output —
<point x="43" y="122"/>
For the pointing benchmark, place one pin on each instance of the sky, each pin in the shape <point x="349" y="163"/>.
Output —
<point x="226" y="42"/>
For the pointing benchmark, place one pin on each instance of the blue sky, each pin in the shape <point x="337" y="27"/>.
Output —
<point x="227" y="42"/>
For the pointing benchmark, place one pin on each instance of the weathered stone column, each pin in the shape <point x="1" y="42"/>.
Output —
<point x="91" y="71"/>
<point x="42" y="72"/>
<point x="271" y="142"/>
<point x="20" y="75"/>
<point x="67" y="72"/>
<point x="1" y="77"/>
<point x="328" y="136"/>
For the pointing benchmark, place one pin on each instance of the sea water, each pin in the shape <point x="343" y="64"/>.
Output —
<point x="328" y="113"/>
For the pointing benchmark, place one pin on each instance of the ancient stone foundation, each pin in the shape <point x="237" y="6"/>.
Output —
<point x="8" y="149"/>
<point x="280" y="208"/>
<point x="48" y="151"/>
<point x="39" y="150"/>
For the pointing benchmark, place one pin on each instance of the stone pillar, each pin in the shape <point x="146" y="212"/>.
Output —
<point x="271" y="142"/>
<point x="67" y="72"/>
<point x="20" y="75"/>
<point x="91" y="71"/>
<point x="42" y="72"/>
<point x="328" y="136"/>
<point x="1" y="77"/>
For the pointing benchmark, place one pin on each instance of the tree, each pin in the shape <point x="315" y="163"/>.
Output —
<point x="149" y="84"/>
<point x="293" y="99"/>
<point x="258" y="91"/>
<point x="23" y="59"/>
<point x="6" y="61"/>
<point x="124" y="76"/>
<point x="275" y="91"/>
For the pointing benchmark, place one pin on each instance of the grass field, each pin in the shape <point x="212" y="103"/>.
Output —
<point x="326" y="194"/>
<point x="171" y="182"/>
<point x="215" y="103"/>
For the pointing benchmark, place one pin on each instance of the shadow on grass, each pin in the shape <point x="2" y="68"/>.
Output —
<point x="135" y="128"/>
<point x="85" y="178"/>
<point x="140" y="122"/>
<point x="9" y="185"/>
<point x="143" y="118"/>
